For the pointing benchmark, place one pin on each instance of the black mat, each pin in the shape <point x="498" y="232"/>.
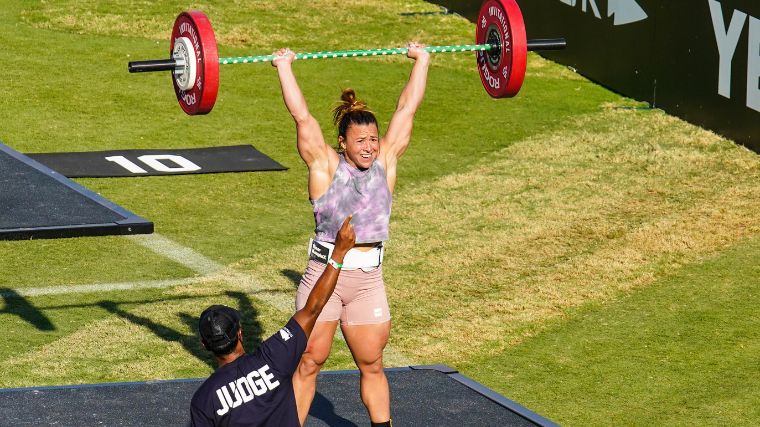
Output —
<point x="421" y="396"/>
<point x="132" y="163"/>
<point x="37" y="202"/>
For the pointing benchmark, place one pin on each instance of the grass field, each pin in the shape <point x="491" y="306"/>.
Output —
<point x="592" y="259"/>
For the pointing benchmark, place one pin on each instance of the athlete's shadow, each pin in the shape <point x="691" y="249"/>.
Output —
<point x="249" y="321"/>
<point x="323" y="409"/>
<point x="18" y="305"/>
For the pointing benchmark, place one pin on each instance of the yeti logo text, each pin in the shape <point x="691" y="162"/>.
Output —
<point x="624" y="11"/>
<point x="584" y="6"/>
<point x="728" y="39"/>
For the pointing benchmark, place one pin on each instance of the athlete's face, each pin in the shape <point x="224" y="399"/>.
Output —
<point x="361" y="145"/>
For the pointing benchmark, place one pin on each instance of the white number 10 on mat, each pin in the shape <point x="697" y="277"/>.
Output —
<point x="157" y="162"/>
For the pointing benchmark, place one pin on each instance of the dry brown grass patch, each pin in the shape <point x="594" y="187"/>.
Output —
<point x="613" y="202"/>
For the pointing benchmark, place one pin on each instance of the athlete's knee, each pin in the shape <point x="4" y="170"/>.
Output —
<point x="310" y="365"/>
<point x="371" y="367"/>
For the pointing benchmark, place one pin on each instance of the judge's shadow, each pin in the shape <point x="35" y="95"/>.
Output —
<point x="292" y="275"/>
<point x="252" y="329"/>
<point x="17" y="305"/>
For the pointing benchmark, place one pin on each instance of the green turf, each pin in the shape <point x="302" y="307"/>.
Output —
<point x="89" y="102"/>
<point x="82" y="319"/>
<point x="531" y="238"/>
<point x="683" y="351"/>
<point x="82" y="261"/>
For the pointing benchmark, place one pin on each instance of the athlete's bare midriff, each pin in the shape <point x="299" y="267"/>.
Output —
<point x="366" y="247"/>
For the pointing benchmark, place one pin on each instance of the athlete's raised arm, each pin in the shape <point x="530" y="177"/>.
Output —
<point x="396" y="139"/>
<point x="310" y="142"/>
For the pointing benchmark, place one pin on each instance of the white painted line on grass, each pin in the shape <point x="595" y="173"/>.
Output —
<point x="98" y="287"/>
<point x="277" y="299"/>
<point x="210" y="271"/>
<point x="213" y="270"/>
<point x="178" y="253"/>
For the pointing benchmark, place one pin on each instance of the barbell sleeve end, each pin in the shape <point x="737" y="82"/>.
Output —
<point x="547" y="44"/>
<point x="152" y="65"/>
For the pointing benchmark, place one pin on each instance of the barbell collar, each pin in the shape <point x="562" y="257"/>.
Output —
<point x="547" y="44"/>
<point x="152" y="65"/>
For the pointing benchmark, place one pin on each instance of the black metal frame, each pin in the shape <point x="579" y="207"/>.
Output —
<point x="131" y="224"/>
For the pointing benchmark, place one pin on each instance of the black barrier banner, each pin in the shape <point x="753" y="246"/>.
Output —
<point x="127" y="163"/>
<point x="696" y="59"/>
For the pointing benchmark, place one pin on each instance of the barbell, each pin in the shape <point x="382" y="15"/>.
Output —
<point x="501" y="52"/>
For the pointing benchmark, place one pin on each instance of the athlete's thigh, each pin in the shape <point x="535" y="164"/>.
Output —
<point x="320" y="341"/>
<point x="367" y="342"/>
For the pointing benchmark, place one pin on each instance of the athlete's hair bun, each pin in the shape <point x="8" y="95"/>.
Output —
<point x="348" y="104"/>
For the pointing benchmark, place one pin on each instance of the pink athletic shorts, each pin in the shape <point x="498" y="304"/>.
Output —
<point x="359" y="296"/>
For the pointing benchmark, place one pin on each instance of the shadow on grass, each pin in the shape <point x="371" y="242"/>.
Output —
<point x="191" y="342"/>
<point x="292" y="275"/>
<point x="127" y="302"/>
<point x="17" y="305"/>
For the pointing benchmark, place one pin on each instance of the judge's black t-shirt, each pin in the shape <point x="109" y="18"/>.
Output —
<point x="255" y="389"/>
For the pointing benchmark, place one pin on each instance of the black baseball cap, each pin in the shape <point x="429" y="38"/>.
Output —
<point x="218" y="326"/>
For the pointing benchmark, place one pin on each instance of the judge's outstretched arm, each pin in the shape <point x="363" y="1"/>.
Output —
<point x="320" y="294"/>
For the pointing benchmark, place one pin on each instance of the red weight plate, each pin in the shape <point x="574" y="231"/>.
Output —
<point x="503" y="71"/>
<point x="201" y="97"/>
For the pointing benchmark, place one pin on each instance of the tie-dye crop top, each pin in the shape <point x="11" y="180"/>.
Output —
<point x="352" y="191"/>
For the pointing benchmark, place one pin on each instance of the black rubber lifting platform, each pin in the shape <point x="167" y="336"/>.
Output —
<point x="433" y="395"/>
<point x="37" y="202"/>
